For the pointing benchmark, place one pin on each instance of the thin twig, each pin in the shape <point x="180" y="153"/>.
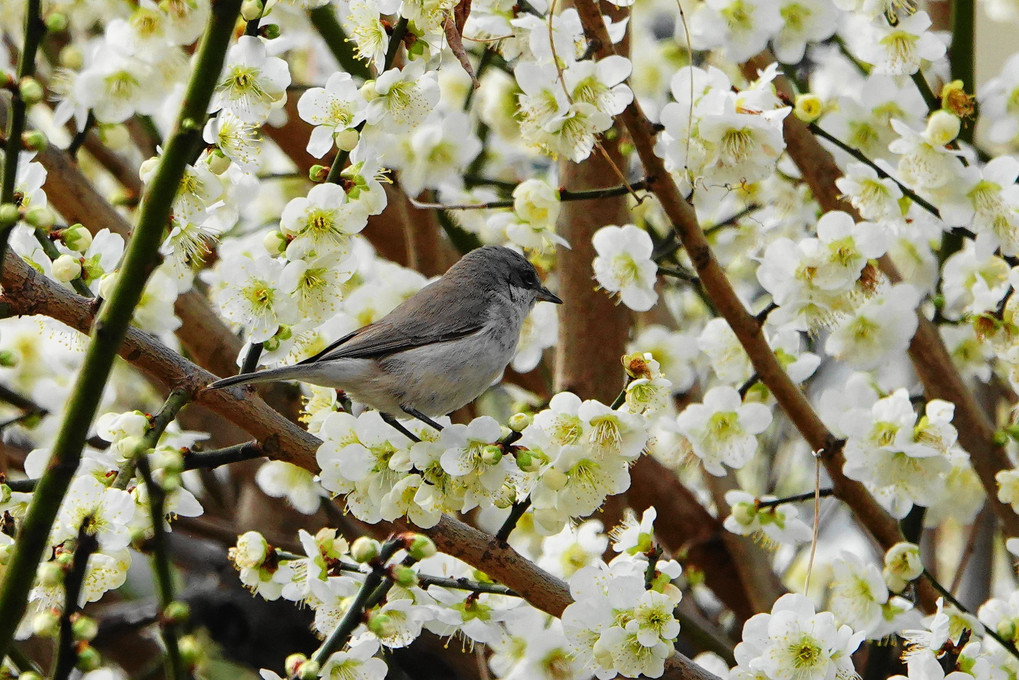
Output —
<point x="85" y="545"/>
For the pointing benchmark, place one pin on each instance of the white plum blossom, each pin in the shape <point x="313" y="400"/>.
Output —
<point x="900" y="49"/>
<point x="775" y="524"/>
<point x="722" y="429"/>
<point x="251" y="297"/>
<point x="741" y="28"/>
<point x="253" y="83"/>
<point x="624" y="266"/>
<point x="322" y="222"/>
<point x="331" y="109"/>
<point x="402" y="98"/>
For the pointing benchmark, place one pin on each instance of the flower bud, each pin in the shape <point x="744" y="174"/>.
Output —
<point x="491" y="454"/>
<point x="421" y="547"/>
<point x="76" y="237"/>
<point x="31" y="91"/>
<point x="293" y="664"/>
<point x="309" y="670"/>
<point x="368" y="91"/>
<point x="115" y="136"/>
<point x="274" y="243"/>
<point x="171" y="481"/>
<point x="942" y="127"/>
<point x="364" y="549"/>
<point x="56" y="21"/>
<point x="808" y="107"/>
<point x="318" y="173"/>
<point x="527" y="461"/>
<point x="404" y="576"/>
<point x="192" y="651"/>
<point x="50" y="574"/>
<point x="40" y="217"/>
<point x="251" y="9"/>
<point x="8" y="359"/>
<point x="518" y="422"/>
<point x="9" y="215"/>
<point x="66" y="268"/>
<point x="218" y="162"/>
<point x="536" y="202"/>
<point x="270" y="31"/>
<point x="84" y="628"/>
<point x="250" y="551"/>
<point x="34" y="140"/>
<point x="177" y="612"/>
<point x="902" y="565"/>
<point x="5" y="497"/>
<point x="744" y="514"/>
<point x="1007" y="629"/>
<point x="88" y="659"/>
<point x="46" y="623"/>
<point x="555" y="479"/>
<point x="72" y="57"/>
<point x="381" y="625"/>
<point x="347" y="139"/>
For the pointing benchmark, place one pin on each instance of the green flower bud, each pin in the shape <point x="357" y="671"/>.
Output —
<point x="271" y="31"/>
<point x="364" y="549"/>
<point x="491" y="454"/>
<point x="404" y="576"/>
<point x="318" y="173"/>
<point x="88" y="659"/>
<point x="34" y="140"/>
<point x="192" y="651"/>
<point x="293" y="664"/>
<point x="5" y="497"/>
<point x="9" y="215"/>
<point x="31" y="91"/>
<point x="8" y="359"/>
<point x="46" y="623"/>
<point x="56" y="21"/>
<point x="84" y="628"/>
<point x="218" y="162"/>
<point x="72" y="57"/>
<point x="40" y="217"/>
<point x="50" y="574"/>
<point x="808" y="107"/>
<point x="177" y="612"/>
<point x="421" y="547"/>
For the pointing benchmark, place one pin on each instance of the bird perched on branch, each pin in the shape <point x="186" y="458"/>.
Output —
<point x="438" y="350"/>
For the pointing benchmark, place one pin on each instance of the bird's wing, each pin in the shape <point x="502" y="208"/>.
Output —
<point x="440" y="312"/>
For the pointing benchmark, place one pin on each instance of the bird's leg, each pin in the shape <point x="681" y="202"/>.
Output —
<point x="399" y="427"/>
<point x="422" y="417"/>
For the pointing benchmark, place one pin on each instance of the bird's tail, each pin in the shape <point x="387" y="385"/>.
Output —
<point x="268" y="375"/>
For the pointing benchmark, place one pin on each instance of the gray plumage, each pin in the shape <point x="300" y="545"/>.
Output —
<point x="439" y="349"/>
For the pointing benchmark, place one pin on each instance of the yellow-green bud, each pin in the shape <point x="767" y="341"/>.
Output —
<point x="491" y="454"/>
<point x="171" y="481"/>
<point x="72" y="57"/>
<point x="192" y="650"/>
<point x="34" y="140"/>
<point x="364" y="549"/>
<point x="519" y="421"/>
<point x="46" y="623"/>
<point x="554" y="479"/>
<point x="271" y="31"/>
<point x="274" y="243"/>
<point x="404" y="576"/>
<point x="56" y="21"/>
<point x="177" y="612"/>
<point x="347" y="139"/>
<point x="527" y="461"/>
<point x="88" y="659"/>
<point x="50" y="574"/>
<point x="8" y="359"/>
<point x="31" y="91"/>
<point x="251" y="9"/>
<point x="40" y="217"/>
<point x="115" y="136"/>
<point x="9" y="215"/>
<point x="808" y="107"/>
<point x="421" y="547"/>
<point x="368" y="91"/>
<point x="381" y="625"/>
<point x="66" y="268"/>
<point x="1006" y="629"/>
<point x="5" y="496"/>
<point x="309" y="670"/>
<point x="293" y="664"/>
<point x="76" y="237"/>
<point x="84" y="628"/>
<point x="744" y="513"/>
<point x="318" y="173"/>
<point x="218" y="162"/>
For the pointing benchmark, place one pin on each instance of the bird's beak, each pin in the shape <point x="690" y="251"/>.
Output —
<point x="546" y="295"/>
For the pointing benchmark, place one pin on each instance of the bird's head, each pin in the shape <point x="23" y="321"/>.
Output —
<point x="507" y="270"/>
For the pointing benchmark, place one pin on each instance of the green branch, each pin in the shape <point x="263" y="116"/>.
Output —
<point x="113" y="320"/>
<point x="175" y="669"/>
<point x="67" y="655"/>
<point x="34" y="31"/>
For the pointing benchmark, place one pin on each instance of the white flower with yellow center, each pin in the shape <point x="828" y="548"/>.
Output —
<point x="252" y="83"/>
<point x="722" y="429"/>
<point x="321" y="223"/>
<point x="624" y="265"/>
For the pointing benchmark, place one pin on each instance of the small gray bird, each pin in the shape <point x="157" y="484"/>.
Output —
<point x="438" y="350"/>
